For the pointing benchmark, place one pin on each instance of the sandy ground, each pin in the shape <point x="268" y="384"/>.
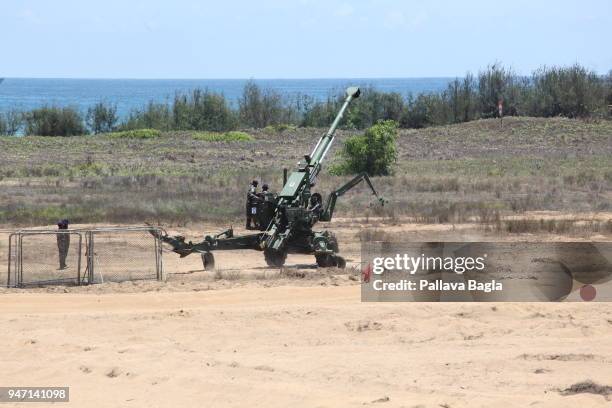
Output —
<point x="302" y="346"/>
<point x="248" y="335"/>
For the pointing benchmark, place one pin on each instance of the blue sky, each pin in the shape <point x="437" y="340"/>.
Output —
<point x="297" y="39"/>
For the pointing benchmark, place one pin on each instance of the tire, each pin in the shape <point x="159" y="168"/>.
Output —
<point x="208" y="261"/>
<point x="329" y="260"/>
<point x="275" y="258"/>
<point x="325" y="260"/>
<point x="340" y="262"/>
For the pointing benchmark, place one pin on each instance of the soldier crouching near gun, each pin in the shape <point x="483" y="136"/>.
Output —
<point x="251" y="206"/>
<point x="63" y="243"/>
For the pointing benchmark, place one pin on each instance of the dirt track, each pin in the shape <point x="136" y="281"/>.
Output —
<point x="302" y="346"/>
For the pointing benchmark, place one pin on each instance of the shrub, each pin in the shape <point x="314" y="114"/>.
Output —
<point x="374" y="152"/>
<point x="223" y="137"/>
<point x="493" y="85"/>
<point x="202" y="110"/>
<point x="373" y="106"/>
<point x="102" y="118"/>
<point x="280" y="128"/>
<point x="463" y="99"/>
<point x="153" y="116"/>
<point x="320" y="114"/>
<point x="136" y="134"/>
<point x="54" y="121"/>
<point x="13" y="120"/>
<point x="259" y="108"/>
<point x="609" y="90"/>
<point x="569" y="91"/>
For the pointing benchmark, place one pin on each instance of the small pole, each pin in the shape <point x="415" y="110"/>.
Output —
<point x="284" y="176"/>
<point x="500" y="110"/>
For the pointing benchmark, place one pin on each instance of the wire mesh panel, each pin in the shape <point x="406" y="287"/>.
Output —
<point x="115" y="254"/>
<point x="12" y="253"/>
<point x="6" y="249"/>
<point x="119" y="255"/>
<point x="46" y="258"/>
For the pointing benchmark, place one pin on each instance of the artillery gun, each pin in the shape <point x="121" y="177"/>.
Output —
<point x="296" y="211"/>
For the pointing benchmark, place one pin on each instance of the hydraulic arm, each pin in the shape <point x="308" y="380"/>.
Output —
<point x="330" y="204"/>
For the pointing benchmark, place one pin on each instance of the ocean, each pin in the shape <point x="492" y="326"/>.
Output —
<point x="129" y="94"/>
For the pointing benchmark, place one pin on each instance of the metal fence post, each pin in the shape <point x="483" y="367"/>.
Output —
<point x="90" y="257"/>
<point x="19" y="268"/>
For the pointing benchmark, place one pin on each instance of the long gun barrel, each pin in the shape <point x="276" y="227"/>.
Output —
<point x="325" y="142"/>
<point x="307" y="174"/>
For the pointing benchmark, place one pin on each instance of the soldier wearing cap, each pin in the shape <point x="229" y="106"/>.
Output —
<point x="251" y="205"/>
<point x="266" y="207"/>
<point x="63" y="243"/>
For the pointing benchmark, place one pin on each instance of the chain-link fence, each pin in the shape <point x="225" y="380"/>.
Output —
<point x="81" y="256"/>
<point x="119" y="255"/>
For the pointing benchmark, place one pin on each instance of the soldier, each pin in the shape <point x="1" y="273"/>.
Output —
<point x="263" y="209"/>
<point x="251" y="206"/>
<point x="63" y="243"/>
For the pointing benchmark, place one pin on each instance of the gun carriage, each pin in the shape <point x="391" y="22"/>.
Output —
<point x="290" y="216"/>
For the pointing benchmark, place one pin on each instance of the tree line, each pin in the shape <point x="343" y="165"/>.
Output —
<point x="572" y="91"/>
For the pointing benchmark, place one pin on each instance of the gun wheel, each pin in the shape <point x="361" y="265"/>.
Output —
<point x="208" y="261"/>
<point x="340" y="262"/>
<point x="330" y="260"/>
<point x="275" y="258"/>
<point x="325" y="260"/>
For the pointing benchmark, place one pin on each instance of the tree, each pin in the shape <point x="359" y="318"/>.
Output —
<point x="374" y="152"/>
<point x="10" y="122"/>
<point x="102" y="118"/>
<point x="54" y="121"/>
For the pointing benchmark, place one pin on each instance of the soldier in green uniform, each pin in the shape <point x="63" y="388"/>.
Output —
<point x="63" y="243"/>
<point x="266" y="206"/>
<point x="251" y="206"/>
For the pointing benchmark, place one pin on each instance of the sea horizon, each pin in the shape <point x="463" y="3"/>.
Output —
<point x="25" y="94"/>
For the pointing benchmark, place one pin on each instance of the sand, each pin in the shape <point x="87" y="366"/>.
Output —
<point x="312" y="346"/>
<point x="248" y="335"/>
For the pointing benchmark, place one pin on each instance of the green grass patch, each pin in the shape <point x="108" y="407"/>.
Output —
<point x="234" y="136"/>
<point x="136" y="134"/>
<point x="280" y="127"/>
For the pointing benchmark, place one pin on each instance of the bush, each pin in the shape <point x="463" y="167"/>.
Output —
<point x="14" y="122"/>
<point x="11" y="122"/>
<point x="153" y="116"/>
<point x="374" y="152"/>
<point x="202" y="110"/>
<point x="54" y="121"/>
<point x="279" y="128"/>
<point x="136" y="134"/>
<point x="259" y="108"/>
<point x="373" y="106"/>
<point x="223" y="137"/>
<point x="571" y="91"/>
<point x="102" y="118"/>
<point x="609" y="90"/>
<point x="497" y="83"/>
<point x="321" y="114"/>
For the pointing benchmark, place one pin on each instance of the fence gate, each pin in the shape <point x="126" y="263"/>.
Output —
<point x="119" y="254"/>
<point x="83" y="256"/>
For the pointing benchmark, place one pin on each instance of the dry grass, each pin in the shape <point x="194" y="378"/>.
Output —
<point x="473" y="172"/>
